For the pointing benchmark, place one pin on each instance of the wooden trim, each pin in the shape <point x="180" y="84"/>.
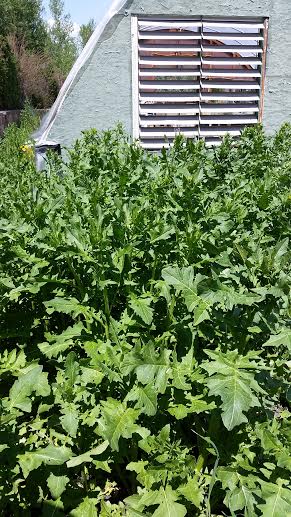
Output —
<point x="263" y="69"/>
<point x="135" y="78"/>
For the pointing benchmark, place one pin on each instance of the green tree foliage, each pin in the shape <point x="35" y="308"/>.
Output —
<point x="10" y="89"/>
<point x="24" y="20"/>
<point x="86" y="31"/>
<point x="34" y="59"/>
<point x="62" y="46"/>
<point x="145" y="329"/>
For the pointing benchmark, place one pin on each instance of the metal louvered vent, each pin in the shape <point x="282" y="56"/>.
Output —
<point x="200" y="77"/>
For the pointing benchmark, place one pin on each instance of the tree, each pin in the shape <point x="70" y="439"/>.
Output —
<point x="62" y="46"/>
<point x="24" y="20"/>
<point x="10" y="92"/>
<point x="86" y="31"/>
<point x="38" y="77"/>
<point x="21" y="23"/>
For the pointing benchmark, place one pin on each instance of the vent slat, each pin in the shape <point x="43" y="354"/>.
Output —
<point x="232" y="36"/>
<point x="232" y="48"/>
<point x="230" y="84"/>
<point x="237" y="25"/>
<point x="169" y="48"/>
<point x="227" y="119"/>
<point x="238" y="74"/>
<point x="226" y="96"/>
<point x="173" y="109"/>
<point x="155" y="144"/>
<point x="231" y="61"/>
<point x="168" y="72"/>
<point x="217" y="131"/>
<point x="168" y="133"/>
<point x="229" y="108"/>
<point x="163" y="24"/>
<point x="162" y="35"/>
<point x="146" y="121"/>
<point x="168" y="97"/>
<point x="212" y="142"/>
<point x="169" y="60"/>
<point x="169" y="85"/>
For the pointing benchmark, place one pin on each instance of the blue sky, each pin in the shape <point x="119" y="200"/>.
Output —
<point x="82" y="10"/>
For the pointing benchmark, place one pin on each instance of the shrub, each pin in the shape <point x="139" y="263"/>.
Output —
<point x="39" y="78"/>
<point x="145" y="327"/>
<point x="11" y="156"/>
<point x="10" y="91"/>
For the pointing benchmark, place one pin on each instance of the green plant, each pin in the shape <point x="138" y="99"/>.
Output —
<point x="10" y="91"/>
<point x="62" y="46"/>
<point x="145" y="330"/>
<point x="11" y="155"/>
<point x="86" y="31"/>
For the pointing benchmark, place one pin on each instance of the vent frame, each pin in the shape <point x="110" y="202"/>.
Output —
<point x="211" y="102"/>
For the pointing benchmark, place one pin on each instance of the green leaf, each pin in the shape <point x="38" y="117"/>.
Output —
<point x="166" y="499"/>
<point x="277" y="499"/>
<point x="91" y="376"/>
<point x="55" y="349"/>
<point x="163" y="236"/>
<point x="183" y="281"/>
<point x="284" y="339"/>
<point x="149" y="365"/>
<point x="34" y="380"/>
<point x="179" y="411"/>
<point x="12" y="361"/>
<point x="239" y="489"/>
<point x="70" y="420"/>
<point x="198" y="405"/>
<point x="145" y="398"/>
<point x="195" y="404"/>
<point x="118" y="421"/>
<point x="141" y="307"/>
<point x="50" y="455"/>
<point x="86" y="509"/>
<point x="102" y="465"/>
<point x="280" y="250"/>
<point x="87" y="456"/>
<point x="53" y="508"/>
<point x="60" y="343"/>
<point x="230" y="378"/>
<point x="67" y="306"/>
<point x="201" y="312"/>
<point x="57" y="485"/>
<point x="71" y="369"/>
<point x="181" y="370"/>
<point x="239" y="498"/>
<point x="192" y="491"/>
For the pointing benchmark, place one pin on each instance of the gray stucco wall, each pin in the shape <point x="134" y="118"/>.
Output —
<point x="101" y="94"/>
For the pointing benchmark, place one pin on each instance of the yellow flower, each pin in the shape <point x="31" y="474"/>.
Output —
<point x="27" y="149"/>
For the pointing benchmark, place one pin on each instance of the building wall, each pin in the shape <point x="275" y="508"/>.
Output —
<point x="101" y="94"/>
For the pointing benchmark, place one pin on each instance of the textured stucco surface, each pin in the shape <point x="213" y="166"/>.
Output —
<point x="101" y="94"/>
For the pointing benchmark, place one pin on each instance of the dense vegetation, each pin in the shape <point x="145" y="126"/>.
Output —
<point x="145" y="329"/>
<point x="36" y="56"/>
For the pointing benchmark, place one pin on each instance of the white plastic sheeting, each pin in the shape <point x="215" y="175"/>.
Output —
<point x="42" y="134"/>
